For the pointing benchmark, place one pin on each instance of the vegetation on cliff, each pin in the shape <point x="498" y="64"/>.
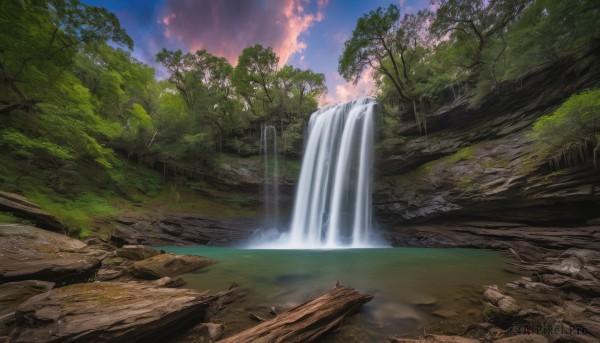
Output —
<point x="572" y="132"/>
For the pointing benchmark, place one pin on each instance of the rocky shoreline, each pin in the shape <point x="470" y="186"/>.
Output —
<point x="557" y="301"/>
<point x="54" y="288"/>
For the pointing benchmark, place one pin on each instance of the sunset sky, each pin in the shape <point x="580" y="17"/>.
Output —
<point x="304" y="33"/>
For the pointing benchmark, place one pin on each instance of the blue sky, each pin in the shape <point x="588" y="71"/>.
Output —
<point x="304" y="33"/>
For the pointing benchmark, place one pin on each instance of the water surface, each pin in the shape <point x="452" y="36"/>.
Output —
<point x="415" y="289"/>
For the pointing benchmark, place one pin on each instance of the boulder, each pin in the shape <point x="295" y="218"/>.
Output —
<point x="12" y="294"/>
<point x="168" y="282"/>
<point x="19" y="206"/>
<point x="124" y="235"/>
<point x="168" y="265"/>
<point x="136" y="252"/>
<point x="29" y="253"/>
<point x="109" y="312"/>
<point x="204" y="333"/>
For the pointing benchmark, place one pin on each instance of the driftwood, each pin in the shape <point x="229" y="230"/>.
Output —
<point x="308" y="321"/>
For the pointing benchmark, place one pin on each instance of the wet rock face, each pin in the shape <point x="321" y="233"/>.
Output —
<point x="481" y="162"/>
<point x="183" y="230"/>
<point x="29" y="253"/>
<point x="108" y="311"/>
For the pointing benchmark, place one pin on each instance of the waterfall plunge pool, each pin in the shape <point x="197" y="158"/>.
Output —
<point x="438" y="290"/>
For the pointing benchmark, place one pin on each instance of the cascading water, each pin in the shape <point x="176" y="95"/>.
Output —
<point x="268" y="149"/>
<point x="332" y="207"/>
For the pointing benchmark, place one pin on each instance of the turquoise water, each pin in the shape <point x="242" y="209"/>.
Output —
<point x="415" y="289"/>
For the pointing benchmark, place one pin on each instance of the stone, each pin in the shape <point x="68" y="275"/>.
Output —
<point x="569" y="266"/>
<point x="123" y="235"/>
<point x="505" y="303"/>
<point x="204" y="333"/>
<point x="109" y="312"/>
<point x="136" y="252"/>
<point x="526" y="338"/>
<point x="168" y="265"/>
<point x="434" y="339"/>
<point x="19" y="206"/>
<point x="445" y="313"/>
<point x="29" y="253"/>
<point x="106" y="274"/>
<point x="183" y="230"/>
<point x="168" y="282"/>
<point x="14" y="293"/>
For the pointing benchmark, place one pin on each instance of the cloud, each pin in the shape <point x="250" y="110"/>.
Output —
<point x="347" y="91"/>
<point x="226" y="27"/>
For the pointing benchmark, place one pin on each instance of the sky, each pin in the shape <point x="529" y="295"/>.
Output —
<point x="307" y="34"/>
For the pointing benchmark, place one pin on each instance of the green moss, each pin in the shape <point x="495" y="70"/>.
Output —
<point x="463" y="154"/>
<point x="465" y="182"/>
<point x="10" y="218"/>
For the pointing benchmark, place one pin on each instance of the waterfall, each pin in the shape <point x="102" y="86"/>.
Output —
<point x="268" y="149"/>
<point x="332" y="207"/>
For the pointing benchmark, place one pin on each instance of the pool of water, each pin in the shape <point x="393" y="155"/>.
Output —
<point x="415" y="289"/>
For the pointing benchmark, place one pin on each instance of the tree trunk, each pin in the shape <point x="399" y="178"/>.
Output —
<point x="308" y="321"/>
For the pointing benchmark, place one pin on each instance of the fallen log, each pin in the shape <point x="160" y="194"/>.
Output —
<point x="308" y="321"/>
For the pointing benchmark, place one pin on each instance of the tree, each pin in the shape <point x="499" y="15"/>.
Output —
<point x="42" y="36"/>
<point x="549" y="30"/>
<point x="254" y="76"/>
<point x="182" y="76"/>
<point x="393" y="48"/>
<point x="204" y="82"/>
<point x="475" y="24"/>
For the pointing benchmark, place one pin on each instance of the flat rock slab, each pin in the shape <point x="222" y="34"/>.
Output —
<point x="108" y="312"/>
<point x="136" y="252"/>
<point x="21" y="207"/>
<point x="434" y="339"/>
<point x="12" y="294"/>
<point x="168" y="265"/>
<point x="29" y="253"/>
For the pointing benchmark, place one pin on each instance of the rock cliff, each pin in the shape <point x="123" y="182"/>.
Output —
<point x="481" y="162"/>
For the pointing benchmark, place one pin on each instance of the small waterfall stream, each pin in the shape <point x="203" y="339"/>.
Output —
<point x="268" y="149"/>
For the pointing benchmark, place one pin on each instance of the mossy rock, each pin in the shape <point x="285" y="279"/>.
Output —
<point x="168" y="265"/>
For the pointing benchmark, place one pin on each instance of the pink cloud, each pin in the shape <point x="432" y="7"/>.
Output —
<point x="347" y="91"/>
<point x="226" y="27"/>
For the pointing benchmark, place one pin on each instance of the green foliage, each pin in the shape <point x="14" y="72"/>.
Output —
<point x="463" y="154"/>
<point x="571" y="134"/>
<point x="10" y="218"/>
<point x="292" y="137"/>
<point x="550" y="30"/>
